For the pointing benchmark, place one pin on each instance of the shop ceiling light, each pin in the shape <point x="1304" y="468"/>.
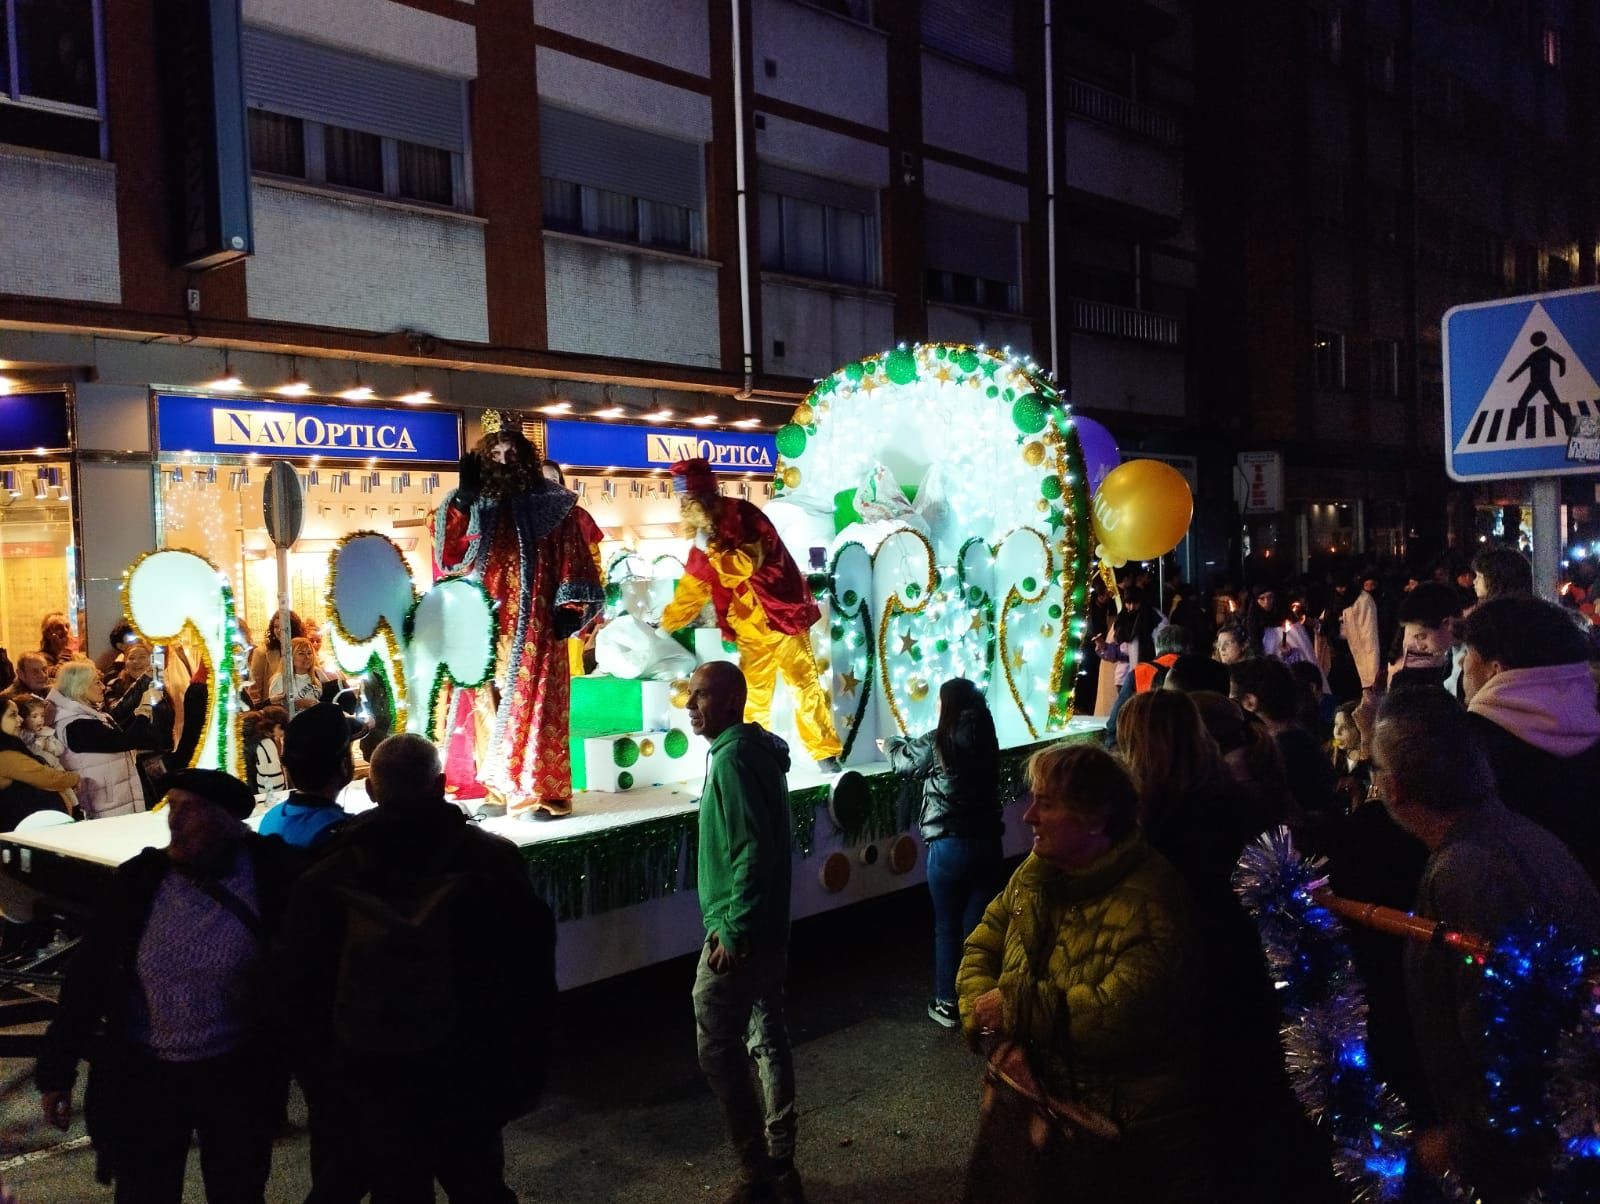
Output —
<point x="430" y="482"/>
<point x="294" y="387"/>
<point x="748" y="424"/>
<point x="7" y="384"/>
<point x="557" y="407"/>
<point x="8" y="482"/>
<point x="235" y="481"/>
<point x="359" y="391"/>
<point x="417" y="397"/>
<point x="41" y="489"/>
<point x="660" y="415"/>
<point x="609" y="412"/>
<point x="702" y="420"/>
<point x="228" y="382"/>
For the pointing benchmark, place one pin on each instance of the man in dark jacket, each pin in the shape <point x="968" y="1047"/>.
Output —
<point x="1266" y="688"/>
<point x="408" y="948"/>
<point x="1531" y="703"/>
<point x="174" y="972"/>
<point x="744" y="867"/>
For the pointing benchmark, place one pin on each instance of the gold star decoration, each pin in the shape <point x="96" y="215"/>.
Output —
<point x="942" y="375"/>
<point x="1016" y="661"/>
<point x="908" y="644"/>
<point x="848" y="683"/>
<point x="977" y="622"/>
<point x="868" y="384"/>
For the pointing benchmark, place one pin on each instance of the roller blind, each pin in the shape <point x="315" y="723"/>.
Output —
<point x="581" y="149"/>
<point x="972" y="244"/>
<point x="979" y="31"/>
<point x="803" y="187"/>
<point x="318" y="83"/>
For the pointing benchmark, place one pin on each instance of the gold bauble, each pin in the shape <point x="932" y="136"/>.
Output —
<point x="803" y="415"/>
<point x="823" y="664"/>
<point x="647" y="748"/>
<point x="1043" y="505"/>
<point x="1044" y="629"/>
<point x="1033" y="453"/>
<point x="791" y="477"/>
<point x="680" y="693"/>
<point x="917" y="687"/>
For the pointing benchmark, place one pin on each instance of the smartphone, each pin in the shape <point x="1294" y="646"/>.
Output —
<point x="158" y="665"/>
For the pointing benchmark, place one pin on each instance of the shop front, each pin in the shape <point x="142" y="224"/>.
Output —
<point x="621" y="476"/>
<point x="38" y="516"/>
<point x="362" y="468"/>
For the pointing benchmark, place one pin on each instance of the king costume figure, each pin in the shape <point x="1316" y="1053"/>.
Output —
<point x="518" y="533"/>
<point x="762" y="600"/>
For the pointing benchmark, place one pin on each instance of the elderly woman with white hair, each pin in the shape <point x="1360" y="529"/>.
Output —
<point x="98" y="751"/>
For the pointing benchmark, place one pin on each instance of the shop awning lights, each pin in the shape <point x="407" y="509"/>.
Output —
<point x="7" y="384"/>
<point x="228" y="382"/>
<point x="702" y="420"/>
<point x="609" y="412"/>
<point x="295" y="387"/>
<point x="557" y="407"/>
<point x="417" y="397"/>
<point x="660" y="415"/>
<point x="359" y="391"/>
<point x="748" y="424"/>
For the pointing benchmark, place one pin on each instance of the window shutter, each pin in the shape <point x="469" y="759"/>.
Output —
<point x="803" y="187"/>
<point x="601" y="154"/>
<point x="318" y="83"/>
<point x="979" y="31"/>
<point x="972" y="244"/>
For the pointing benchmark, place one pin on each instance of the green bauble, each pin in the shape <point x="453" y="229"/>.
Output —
<point x="677" y="743"/>
<point x="967" y="360"/>
<point x="1055" y="611"/>
<point x="856" y="370"/>
<point x="729" y="646"/>
<point x="850" y="597"/>
<point x="992" y="391"/>
<point x="975" y="595"/>
<point x="901" y="366"/>
<point x="836" y="632"/>
<point x="1029" y="584"/>
<point x="624" y="780"/>
<point x="1051" y="487"/>
<point x="791" y="441"/>
<point x="941" y="645"/>
<point x="1029" y="414"/>
<point x="913" y="590"/>
<point x="624" y="752"/>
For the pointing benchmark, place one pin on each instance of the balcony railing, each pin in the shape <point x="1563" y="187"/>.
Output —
<point x="1118" y="321"/>
<point x="1108" y="108"/>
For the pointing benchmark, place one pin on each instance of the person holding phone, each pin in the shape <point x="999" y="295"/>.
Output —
<point x="98" y="751"/>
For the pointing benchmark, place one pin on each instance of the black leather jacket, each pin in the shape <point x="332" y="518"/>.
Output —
<point x="956" y="799"/>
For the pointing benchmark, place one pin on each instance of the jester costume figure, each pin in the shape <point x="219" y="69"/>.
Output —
<point x="517" y="532"/>
<point x="763" y="605"/>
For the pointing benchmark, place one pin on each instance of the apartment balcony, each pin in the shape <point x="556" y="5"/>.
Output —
<point x="1123" y="150"/>
<point x="1119" y="112"/>
<point x="1123" y="322"/>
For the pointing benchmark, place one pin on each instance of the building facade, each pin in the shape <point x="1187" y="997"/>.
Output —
<point x="1371" y="163"/>
<point x="679" y="212"/>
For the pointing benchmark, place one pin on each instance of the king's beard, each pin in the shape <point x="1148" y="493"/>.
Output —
<point x="511" y="479"/>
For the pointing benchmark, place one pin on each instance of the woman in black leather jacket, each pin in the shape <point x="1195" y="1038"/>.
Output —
<point x="958" y="766"/>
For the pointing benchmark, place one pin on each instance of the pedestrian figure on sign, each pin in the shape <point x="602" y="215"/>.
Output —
<point x="1537" y="366"/>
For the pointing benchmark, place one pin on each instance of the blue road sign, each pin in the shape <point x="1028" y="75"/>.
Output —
<point x="1520" y="398"/>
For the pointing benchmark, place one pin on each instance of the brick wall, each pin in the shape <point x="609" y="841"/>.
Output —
<point x="60" y="221"/>
<point x="329" y="261"/>
<point x="609" y="301"/>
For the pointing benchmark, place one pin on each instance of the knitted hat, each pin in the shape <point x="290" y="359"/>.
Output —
<point x="315" y="738"/>
<point x="692" y="477"/>
<point x="223" y="789"/>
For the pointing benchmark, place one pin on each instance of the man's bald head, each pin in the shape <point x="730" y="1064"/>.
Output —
<point x="33" y="671"/>
<point x="405" y="769"/>
<point x="716" y="698"/>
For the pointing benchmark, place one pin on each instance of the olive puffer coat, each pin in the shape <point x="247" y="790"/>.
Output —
<point x="1093" y="967"/>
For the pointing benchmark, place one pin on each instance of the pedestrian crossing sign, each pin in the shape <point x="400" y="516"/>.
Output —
<point x="1520" y="393"/>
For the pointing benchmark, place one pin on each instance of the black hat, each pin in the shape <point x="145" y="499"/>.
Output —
<point x="317" y="736"/>
<point x="223" y="789"/>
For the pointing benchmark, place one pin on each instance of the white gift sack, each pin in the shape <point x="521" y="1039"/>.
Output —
<point x="627" y="648"/>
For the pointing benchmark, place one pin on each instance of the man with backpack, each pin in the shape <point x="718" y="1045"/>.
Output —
<point x="407" y="947"/>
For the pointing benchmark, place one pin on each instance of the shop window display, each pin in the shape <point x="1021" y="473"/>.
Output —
<point x="36" y="551"/>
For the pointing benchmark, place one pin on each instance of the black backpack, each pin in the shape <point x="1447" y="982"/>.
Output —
<point x="395" y="991"/>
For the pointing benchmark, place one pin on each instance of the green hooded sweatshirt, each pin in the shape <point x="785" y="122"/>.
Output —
<point x="744" y="839"/>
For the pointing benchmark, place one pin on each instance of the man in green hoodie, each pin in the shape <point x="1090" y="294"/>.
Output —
<point x="744" y="899"/>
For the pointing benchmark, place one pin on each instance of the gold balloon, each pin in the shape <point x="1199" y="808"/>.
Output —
<point x="791" y="477"/>
<point x="680" y="693"/>
<point x="917" y="687"/>
<point x="803" y="415"/>
<point x="647" y="748"/>
<point x="1141" y="510"/>
<point x="1033" y="453"/>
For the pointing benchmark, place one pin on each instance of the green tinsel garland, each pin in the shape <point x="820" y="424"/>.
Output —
<point x="618" y="867"/>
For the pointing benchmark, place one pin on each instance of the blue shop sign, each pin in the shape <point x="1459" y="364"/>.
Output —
<point x="237" y="426"/>
<point x="597" y="445"/>
<point x="34" y="421"/>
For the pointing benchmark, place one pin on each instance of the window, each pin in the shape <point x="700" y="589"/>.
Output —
<point x="816" y="227"/>
<point x="1327" y="358"/>
<point x="1550" y="47"/>
<point x="1558" y="270"/>
<point x="1386" y="368"/>
<point x="972" y="259"/>
<point x="330" y="117"/>
<point x="50" y="72"/>
<point x="619" y="183"/>
<point x="1380" y="62"/>
<point x="1105" y="266"/>
<point x="981" y="32"/>
<point x="1326" y="34"/>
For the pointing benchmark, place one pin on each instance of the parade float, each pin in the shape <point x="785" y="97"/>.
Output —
<point x="942" y="503"/>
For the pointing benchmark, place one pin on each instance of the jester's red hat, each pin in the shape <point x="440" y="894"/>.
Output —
<point x="692" y="477"/>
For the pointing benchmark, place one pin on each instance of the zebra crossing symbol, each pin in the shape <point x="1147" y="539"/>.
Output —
<point x="1520" y="399"/>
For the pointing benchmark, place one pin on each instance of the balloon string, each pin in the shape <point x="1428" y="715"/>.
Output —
<point x="1109" y="576"/>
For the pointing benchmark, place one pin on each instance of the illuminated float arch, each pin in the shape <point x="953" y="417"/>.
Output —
<point x="975" y="554"/>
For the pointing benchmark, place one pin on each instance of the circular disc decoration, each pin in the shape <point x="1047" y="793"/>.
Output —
<point x="624" y="780"/>
<point x="625" y="752"/>
<point x="902" y="854"/>
<point x="849" y="802"/>
<point x="676" y="743"/>
<point x="835" y="873"/>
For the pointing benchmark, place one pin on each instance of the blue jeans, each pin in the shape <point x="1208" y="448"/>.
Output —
<point x="963" y="875"/>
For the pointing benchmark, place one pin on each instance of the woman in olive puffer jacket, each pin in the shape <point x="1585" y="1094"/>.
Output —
<point x="957" y="771"/>
<point x="1076" y="986"/>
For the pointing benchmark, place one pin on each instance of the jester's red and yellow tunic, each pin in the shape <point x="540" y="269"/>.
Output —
<point x="531" y="555"/>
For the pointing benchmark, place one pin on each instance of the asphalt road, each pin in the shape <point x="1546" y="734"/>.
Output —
<point x="888" y="1099"/>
